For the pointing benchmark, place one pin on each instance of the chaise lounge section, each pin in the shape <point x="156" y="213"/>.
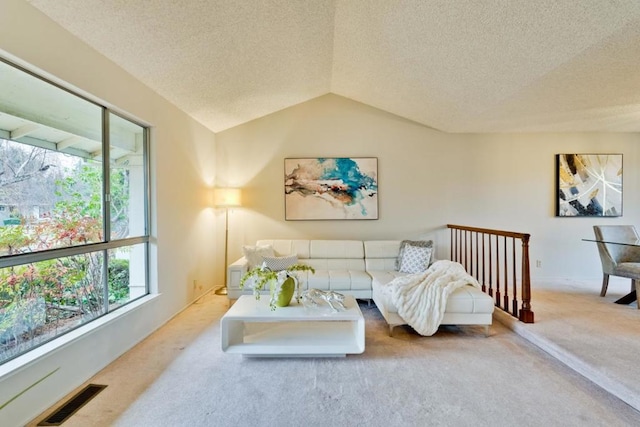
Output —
<point x="467" y="305"/>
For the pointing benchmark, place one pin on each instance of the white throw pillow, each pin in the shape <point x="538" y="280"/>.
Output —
<point x="255" y="254"/>
<point x="279" y="263"/>
<point x="415" y="259"/>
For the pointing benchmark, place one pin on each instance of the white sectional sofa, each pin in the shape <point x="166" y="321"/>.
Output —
<point x="361" y="269"/>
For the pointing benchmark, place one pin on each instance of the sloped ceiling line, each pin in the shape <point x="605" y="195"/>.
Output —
<point x="454" y="65"/>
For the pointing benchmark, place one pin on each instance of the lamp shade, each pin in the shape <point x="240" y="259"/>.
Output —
<point x="226" y="197"/>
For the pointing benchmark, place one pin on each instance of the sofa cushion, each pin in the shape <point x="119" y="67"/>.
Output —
<point x="467" y="299"/>
<point x="339" y="280"/>
<point x="381" y="255"/>
<point x="335" y="263"/>
<point x="286" y="247"/>
<point x="377" y="249"/>
<point x="336" y="249"/>
<point x="384" y="277"/>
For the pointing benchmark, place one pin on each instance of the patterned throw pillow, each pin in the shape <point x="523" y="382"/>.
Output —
<point x="419" y="243"/>
<point x="415" y="259"/>
<point x="255" y="254"/>
<point x="278" y="263"/>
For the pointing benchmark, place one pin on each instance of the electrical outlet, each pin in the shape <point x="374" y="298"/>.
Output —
<point x="538" y="263"/>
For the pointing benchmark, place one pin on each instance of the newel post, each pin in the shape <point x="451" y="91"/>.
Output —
<point x="526" y="315"/>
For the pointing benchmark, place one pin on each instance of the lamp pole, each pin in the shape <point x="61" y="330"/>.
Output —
<point x="226" y="198"/>
<point x="223" y="289"/>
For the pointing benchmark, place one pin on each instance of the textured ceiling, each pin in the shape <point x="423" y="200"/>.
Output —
<point x="454" y="65"/>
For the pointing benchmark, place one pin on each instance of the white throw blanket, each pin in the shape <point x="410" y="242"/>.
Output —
<point x="421" y="298"/>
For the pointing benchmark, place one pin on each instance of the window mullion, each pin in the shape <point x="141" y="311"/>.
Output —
<point x="147" y="211"/>
<point x="106" y="173"/>
<point x="29" y="257"/>
<point x="106" y="204"/>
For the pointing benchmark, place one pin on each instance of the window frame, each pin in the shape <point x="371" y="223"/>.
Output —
<point x="107" y="242"/>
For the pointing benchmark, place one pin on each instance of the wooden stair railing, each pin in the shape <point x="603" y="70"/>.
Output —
<point x="491" y="257"/>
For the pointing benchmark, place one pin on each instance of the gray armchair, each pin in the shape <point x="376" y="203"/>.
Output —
<point x="618" y="260"/>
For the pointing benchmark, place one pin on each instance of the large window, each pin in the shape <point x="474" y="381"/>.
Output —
<point x="73" y="211"/>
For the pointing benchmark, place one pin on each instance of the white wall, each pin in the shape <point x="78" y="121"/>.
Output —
<point x="426" y="180"/>
<point x="183" y="233"/>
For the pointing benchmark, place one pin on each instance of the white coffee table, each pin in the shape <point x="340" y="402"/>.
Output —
<point x="250" y="328"/>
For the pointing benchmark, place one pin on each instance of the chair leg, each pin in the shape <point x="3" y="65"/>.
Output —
<point x="636" y="284"/>
<point x="605" y="284"/>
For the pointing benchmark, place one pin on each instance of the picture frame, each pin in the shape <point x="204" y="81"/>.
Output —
<point x="589" y="185"/>
<point x="331" y="188"/>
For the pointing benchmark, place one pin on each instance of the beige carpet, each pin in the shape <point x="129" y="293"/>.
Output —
<point x="180" y="377"/>
<point x="591" y="334"/>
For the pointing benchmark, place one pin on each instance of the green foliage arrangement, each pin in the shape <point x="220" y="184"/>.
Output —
<point x="261" y="276"/>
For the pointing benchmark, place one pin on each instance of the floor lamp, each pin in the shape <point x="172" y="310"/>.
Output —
<point x="225" y="198"/>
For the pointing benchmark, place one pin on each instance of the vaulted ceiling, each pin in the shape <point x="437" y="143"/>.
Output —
<point x="454" y="65"/>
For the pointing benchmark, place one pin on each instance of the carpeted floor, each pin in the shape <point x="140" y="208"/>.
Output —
<point x="458" y="377"/>
<point x="591" y="334"/>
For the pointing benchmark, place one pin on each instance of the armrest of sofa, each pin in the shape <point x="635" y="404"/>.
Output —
<point x="235" y="272"/>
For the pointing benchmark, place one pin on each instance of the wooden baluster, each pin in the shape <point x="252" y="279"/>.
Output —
<point x="491" y="264"/>
<point x="477" y="276"/>
<point x="484" y="267"/>
<point x="498" y="271"/>
<point x="465" y="240"/>
<point x="470" y="252"/>
<point x="453" y="243"/>
<point x="490" y="267"/>
<point x="514" y="299"/>
<point x="505" y="297"/>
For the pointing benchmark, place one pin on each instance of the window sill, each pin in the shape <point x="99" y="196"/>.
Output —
<point x="23" y="362"/>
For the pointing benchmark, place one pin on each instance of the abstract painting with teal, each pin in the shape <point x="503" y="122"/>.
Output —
<point x="331" y="188"/>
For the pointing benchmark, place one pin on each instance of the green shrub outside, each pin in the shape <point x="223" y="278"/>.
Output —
<point x="118" y="280"/>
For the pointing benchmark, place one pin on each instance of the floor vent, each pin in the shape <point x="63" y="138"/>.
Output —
<point x="72" y="405"/>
